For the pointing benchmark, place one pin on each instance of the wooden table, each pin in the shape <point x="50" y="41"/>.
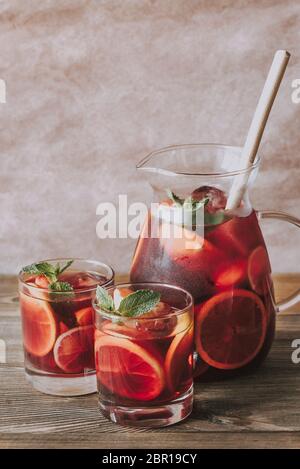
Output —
<point x="261" y="410"/>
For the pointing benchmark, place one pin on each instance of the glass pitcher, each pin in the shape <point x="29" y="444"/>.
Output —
<point x="221" y="260"/>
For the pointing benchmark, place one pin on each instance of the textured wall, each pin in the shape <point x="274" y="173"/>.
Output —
<point x="92" y="86"/>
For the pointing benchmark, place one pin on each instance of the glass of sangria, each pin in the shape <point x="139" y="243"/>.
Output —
<point x="144" y="353"/>
<point x="58" y="325"/>
<point x="219" y="255"/>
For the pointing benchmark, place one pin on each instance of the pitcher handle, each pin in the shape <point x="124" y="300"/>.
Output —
<point x="261" y="214"/>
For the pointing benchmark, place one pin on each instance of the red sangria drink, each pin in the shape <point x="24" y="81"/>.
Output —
<point x="227" y="271"/>
<point x="58" y="324"/>
<point x="144" y="353"/>
<point x="220" y="258"/>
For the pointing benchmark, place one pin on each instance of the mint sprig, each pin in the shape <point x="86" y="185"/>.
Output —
<point x="59" y="270"/>
<point x="193" y="205"/>
<point x="60" y="287"/>
<point x="189" y="203"/>
<point x="138" y="303"/>
<point x="133" y="305"/>
<point x="189" y="206"/>
<point x="175" y="199"/>
<point x="42" y="268"/>
<point x="52" y="273"/>
<point x="104" y="300"/>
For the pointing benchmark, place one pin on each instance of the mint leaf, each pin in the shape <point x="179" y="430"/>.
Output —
<point x="177" y="200"/>
<point x="61" y="287"/>
<point x="189" y="203"/>
<point x="138" y="303"/>
<point x="104" y="300"/>
<point x="200" y="203"/>
<point x="31" y="269"/>
<point x="133" y="305"/>
<point x="42" y="268"/>
<point x="39" y="268"/>
<point x="214" y="218"/>
<point x="60" y="270"/>
<point x="193" y="204"/>
<point x="48" y="270"/>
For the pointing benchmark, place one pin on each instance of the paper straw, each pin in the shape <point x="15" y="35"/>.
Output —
<point x="257" y="126"/>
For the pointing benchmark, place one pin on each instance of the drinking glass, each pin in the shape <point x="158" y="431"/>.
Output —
<point x="58" y="329"/>
<point x="144" y="364"/>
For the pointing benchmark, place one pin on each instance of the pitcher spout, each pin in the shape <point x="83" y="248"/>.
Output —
<point x="183" y="169"/>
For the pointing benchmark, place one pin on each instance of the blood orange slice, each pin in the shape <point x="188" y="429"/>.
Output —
<point x="231" y="273"/>
<point x="258" y="269"/>
<point x="178" y="240"/>
<point x="74" y="350"/>
<point x="39" y="325"/>
<point x="179" y="359"/>
<point x="230" y="329"/>
<point x="189" y="250"/>
<point x="237" y="236"/>
<point x="84" y="316"/>
<point x="128" y="369"/>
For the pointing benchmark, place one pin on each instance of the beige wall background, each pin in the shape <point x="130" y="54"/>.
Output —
<point x="92" y="86"/>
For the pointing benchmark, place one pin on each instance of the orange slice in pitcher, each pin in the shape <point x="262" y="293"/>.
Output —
<point x="258" y="269"/>
<point x="39" y="325"/>
<point x="189" y="250"/>
<point x="128" y="369"/>
<point x="237" y="236"/>
<point x="178" y="240"/>
<point x="231" y="273"/>
<point x="230" y="329"/>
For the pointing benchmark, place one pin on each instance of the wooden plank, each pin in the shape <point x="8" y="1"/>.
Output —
<point x="197" y="440"/>
<point x="256" y="410"/>
<point x="285" y="285"/>
<point x="253" y="402"/>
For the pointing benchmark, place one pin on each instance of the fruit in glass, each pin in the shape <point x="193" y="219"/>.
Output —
<point x="144" y="364"/>
<point x="57" y="325"/>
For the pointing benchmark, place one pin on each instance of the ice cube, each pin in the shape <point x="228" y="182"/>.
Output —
<point x="162" y="325"/>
